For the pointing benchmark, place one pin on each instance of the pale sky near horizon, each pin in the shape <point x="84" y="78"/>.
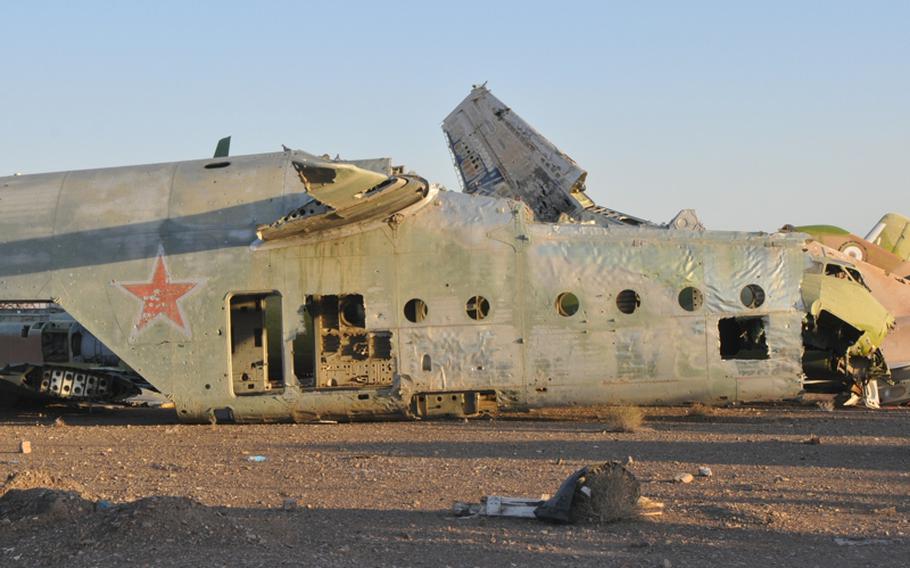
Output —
<point x="754" y="114"/>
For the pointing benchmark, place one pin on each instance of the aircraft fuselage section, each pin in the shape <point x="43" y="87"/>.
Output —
<point x="464" y="299"/>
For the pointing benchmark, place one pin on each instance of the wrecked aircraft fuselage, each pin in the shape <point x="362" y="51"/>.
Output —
<point x="289" y="287"/>
<point x="46" y="356"/>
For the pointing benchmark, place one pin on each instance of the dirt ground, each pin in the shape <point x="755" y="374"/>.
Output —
<point x="132" y="487"/>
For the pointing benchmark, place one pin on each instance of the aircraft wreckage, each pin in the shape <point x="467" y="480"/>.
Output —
<point x="288" y="286"/>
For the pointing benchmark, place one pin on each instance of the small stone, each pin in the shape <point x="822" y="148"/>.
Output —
<point x="629" y="460"/>
<point x="813" y="440"/>
<point x="289" y="504"/>
<point x="25" y="447"/>
<point x="705" y="471"/>
<point x="684" y="478"/>
<point x="59" y="422"/>
<point x="666" y="563"/>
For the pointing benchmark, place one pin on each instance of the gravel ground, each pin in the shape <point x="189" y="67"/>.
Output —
<point x="791" y="486"/>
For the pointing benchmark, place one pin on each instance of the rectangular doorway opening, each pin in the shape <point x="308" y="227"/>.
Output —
<point x="256" y="348"/>
<point x="743" y="338"/>
<point x="335" y="349"/>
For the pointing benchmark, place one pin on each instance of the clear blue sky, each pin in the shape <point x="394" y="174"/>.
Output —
<point x="755" y="114"/>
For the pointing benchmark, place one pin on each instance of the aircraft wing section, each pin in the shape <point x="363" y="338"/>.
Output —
<point x="499" y="154"/>
<point x="340" y="193"/>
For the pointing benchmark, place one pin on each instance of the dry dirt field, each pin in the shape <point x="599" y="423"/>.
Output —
<point x="132" y="487"/>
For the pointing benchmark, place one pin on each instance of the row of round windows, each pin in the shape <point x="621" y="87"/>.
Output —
<point x="567" y="303"/>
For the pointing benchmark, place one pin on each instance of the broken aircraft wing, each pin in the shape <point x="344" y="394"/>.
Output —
<point x="497" y="153"/>
<point x="523" y="165"/>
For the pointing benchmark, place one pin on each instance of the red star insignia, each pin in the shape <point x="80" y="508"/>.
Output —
<point x="160" y="297"/>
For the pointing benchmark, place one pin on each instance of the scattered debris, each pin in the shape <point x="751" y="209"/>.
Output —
<point x="594" y="494"/>
<point x="684" y="478"/>
<point x="705" y="471"/>
<point x="623" y="418"/>
<point x="648" y="507"/>
<point x="813" y="440"/>
<point x="256" y="459"/>
<point x="59" y="422"/>
<point x="25" y="447"/>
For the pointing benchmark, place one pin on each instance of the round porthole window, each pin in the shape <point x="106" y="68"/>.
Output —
<point x="752" y="296"/>
<point x="690" y="299"/>
<point x="415" y="310"/>
<point x="628" y="301"/>
<point x="567" y="304"/>
<point x="477" y="307"/>
<point x="352" y="312"/>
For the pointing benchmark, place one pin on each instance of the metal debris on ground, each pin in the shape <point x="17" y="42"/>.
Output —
<point x="684" y="478"/>
<point x="598" y="494"/>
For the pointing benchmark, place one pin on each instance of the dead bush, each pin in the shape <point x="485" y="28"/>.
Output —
<point x="623" y="418"/>
<point x="607" y="492"/>
<point x="699" y="410"/>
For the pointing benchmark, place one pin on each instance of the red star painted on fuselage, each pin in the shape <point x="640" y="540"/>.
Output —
<point x="160" y="296"/>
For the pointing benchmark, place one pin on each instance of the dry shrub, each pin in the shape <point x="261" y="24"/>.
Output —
<point x="699" y="410"/>
<point x="608" y="492"/>
<point x="623" y="418"/>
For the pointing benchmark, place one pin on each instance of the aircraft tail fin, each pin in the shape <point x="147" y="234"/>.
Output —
<point x="497" y="153"/>
<point x="892" y="233"/>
